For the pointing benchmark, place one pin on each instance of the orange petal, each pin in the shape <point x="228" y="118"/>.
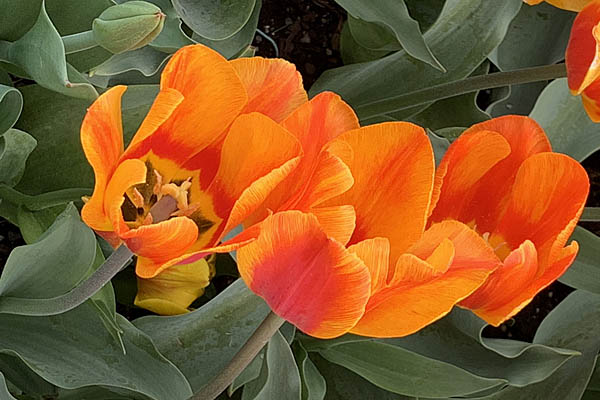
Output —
<point x="306" y="278"/>
<point x="583" y="51"/>
<point x="419" y="292"/>
<point x="338" y="222"/>
<point x="213" y="97"/>
<point x="274" y="86"/>
<point x="172" y="291"/>
<point x="375" y="253"/>
<point x="257" y="154"/>
<point x="393" y="169"/>
<point x="102" y="141"/>
<point x="591" y="100"/>
<point x="549" y="192"/>
<point x="156" y="244"/>
<point x="480" y="168"/>
<point x="571" y="5"/>
<point x="502" y="295"/>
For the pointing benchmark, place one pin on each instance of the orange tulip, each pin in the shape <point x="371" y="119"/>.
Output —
<point x="211" y="141"/>
<point x="583" y="59"/>
<point x="502" y="178"/>
<point x="347" y="249"/>
<point x="571" y="5"/>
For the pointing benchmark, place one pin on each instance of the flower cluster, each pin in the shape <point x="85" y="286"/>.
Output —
<point x="347" y="228"/>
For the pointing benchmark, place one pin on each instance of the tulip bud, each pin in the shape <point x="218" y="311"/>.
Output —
<point x="128" y="26"/>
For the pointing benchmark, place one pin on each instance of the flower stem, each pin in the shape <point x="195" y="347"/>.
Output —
<point x="240" y="361"/>
<point x="455" y="88"/>
<point x="79" y="42"/>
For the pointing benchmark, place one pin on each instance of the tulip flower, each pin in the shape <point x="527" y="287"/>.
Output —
<point x="211" y="143"/>
<point x="347" y="249"/>
<point x="583" y="59"/>
<point x="501" y="178"/>
<point x="571" y="5"/>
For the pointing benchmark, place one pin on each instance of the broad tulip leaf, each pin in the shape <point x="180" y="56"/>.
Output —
<point x="58" y="162"/>
<point x="352" y="52"/>
<point x="565" y="121"/>
<point x="426" y="12"/>
<point x="573" y="324"/>
<point x="146" y="60"/>
<point x="202" y="342"/>
<point x="53" y="265"/>
<point x="22" y="377"/>
<point x="172" y="36"/>
<point x="33" y="224"/>
<point x="76" y="350"/>
<point x="373" y="36"/>
<point x="393" y="14"/>
<point x="522" y="47"/>
<point x="250" y="373"/>
<point x="402" y="371"/>
<point x="233" y="46"/>
<point x="41" y="54"/>
<point x="11" y="104"/>
<point x="314" y="386"/>
<point x="585" y="271"/>
<point x="4" y="393"/>
<point x="215" y="19"/>
<point x="15" y="147"/>
<point x="282" y="379"/>
<point x="475" y="27"/>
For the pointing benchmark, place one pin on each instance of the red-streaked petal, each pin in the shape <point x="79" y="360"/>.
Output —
<point x="549" y="192"/>
<point x="257" y="154"/>
<point x="165" y="103"/>
<point x="102" y="142"/>
<point x="583" y="52"/>
<point x="591" y="101"/>
<point x="172" y="291"/>
<point x="393" y="166"/>
<point x="420" y="293"/>
<point x="213" y="97"/>
<point x="274" y="86"/>
<point x="156" y="244"/>
<point x="480" y="169"/>
<point x="501" y="296"/>
<point x="306" y="278"/>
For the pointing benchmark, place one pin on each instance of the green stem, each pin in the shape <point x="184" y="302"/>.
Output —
<point x="240" y="361"/>
<point x="79" y="42"/>
<point x="590" y="214"/>
<point x="455" y="88"/>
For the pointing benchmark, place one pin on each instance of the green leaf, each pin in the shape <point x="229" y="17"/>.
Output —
<point x="401" y="371"/>
<point x="21" y="376"/>
<point x="41" y="54"/>
<point x="4" y="393"/>
<point x="394" y="15"/>
<point x="53" y="265"/>
<point x="585" y="271"/>
<point x="314" y="386"/>
<point x="474" y="26"/>
<point x="15" y="147"/>
<point x="11" y="104"/>
<point x="352" y="52"/>
<point x="573" y="324"/>
<point x="57" y="133"/>
<point x="233" y="46"/>
<point x="33" y="224"/>
<point x="146" y="60"/>
<point x="250" y="373"/>
<point x="203" y="342"/>
<point x="372" y="35"/>
<point x="215" y="19"/>
<point x="522" y="48"/>
<point x="172" y="37"/>
<point x="426" y="12"/>
<point x="75" y="351"/>
<point x="565" y="121"/>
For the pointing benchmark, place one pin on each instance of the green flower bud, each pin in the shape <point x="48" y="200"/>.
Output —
<point x="128" y="26"/>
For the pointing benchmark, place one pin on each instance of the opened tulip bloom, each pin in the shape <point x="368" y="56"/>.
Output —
<point x="347" y="249"/>
<point x="583" y="58"/>
<point x="571" y="5"/>
<point x="502" y="178"/>
<point x="211" y="143"/>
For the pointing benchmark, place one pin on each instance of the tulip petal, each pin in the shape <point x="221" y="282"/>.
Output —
<point x="480" y="168"/>
<point x="306" y="278"/>
<point x="591" y="101"/>
<point x="419" y="293"/>
<point x="257" y="154"/>
<point x="172" y="291"/>
<point x="376" y="255"/>
<point x="570" y="5"/>
<point x="503" y="294"/>
<point x="338" y="222"/>
<point x="155" y="244"/>
<point x="274" y="86"/>
<point x="393" y="167"/>
<point x="102" y="141"/>
<point x="549" y="192"/>
<point x="583" y="51"/>
<point x="213" y="97"/>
